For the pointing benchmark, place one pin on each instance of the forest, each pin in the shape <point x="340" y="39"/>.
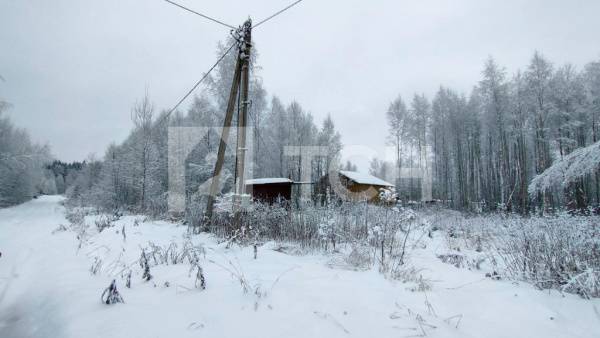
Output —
<point x="486" y="146"/>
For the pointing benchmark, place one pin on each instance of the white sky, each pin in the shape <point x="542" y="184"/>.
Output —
<point x="73" y="69"/>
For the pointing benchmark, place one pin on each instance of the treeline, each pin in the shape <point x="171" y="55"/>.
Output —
<point x="134" y="174"/>
<point x="23" y="174"/>
<point x="488" y="146"/>
<point x="67" y="175"/>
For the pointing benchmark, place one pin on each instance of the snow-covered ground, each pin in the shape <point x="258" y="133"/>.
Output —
<point x="48" y="290"/>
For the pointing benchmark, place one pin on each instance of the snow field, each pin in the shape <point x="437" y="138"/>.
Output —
<point x="47" y="289"/>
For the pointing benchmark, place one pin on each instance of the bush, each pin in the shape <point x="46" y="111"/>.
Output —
<point x="105" y="221"/>
<point x="552" y="252"/>
<point x="559" y="252"/>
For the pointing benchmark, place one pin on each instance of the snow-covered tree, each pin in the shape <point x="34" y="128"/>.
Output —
<point x="22" y="164"/>
<point x="568" y="169"/>
<point x="398" y="121"/>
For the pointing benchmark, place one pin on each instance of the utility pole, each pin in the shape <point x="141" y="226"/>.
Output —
<point x="245" y="50"/>
<point x="214" y="184"/>
<point x="241" y="73"/>
<point x="241" y="76"/>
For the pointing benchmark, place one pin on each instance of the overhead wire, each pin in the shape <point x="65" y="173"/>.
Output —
<point x="200" y="81"/>
<point x="228" y="25"/>
<point x="276" y="13"/>
<point x="233" y="30"/>
<point x="200" y="14"/>
<point x="226" y="52"/>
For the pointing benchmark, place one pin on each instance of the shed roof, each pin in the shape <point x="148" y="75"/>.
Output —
<point x="274" y="180"/>
<point x="362" y="178"/>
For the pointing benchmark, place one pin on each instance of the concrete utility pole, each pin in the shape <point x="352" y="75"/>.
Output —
<point x="242" y="71"/>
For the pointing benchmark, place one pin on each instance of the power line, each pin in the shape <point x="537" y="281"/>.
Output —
<point x="200" y="81"/>
<point x="200" y="14"/>
<point x="276" y="14"/>
<point x="224" y="54"/>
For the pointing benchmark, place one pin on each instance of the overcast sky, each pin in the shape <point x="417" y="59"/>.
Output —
<point x="74" y="68"/>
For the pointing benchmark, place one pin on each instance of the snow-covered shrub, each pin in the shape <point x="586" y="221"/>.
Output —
<point x="172" y="254"/>
<point x="76" y="215"/>
<point x="105" y="221"/>
<point x="389" y="234"/>
<point x="145" y="266"/>
<point x="457" y="260"/>
<point x="111" y="295"/>
<point x="360" y="257"/>
<point x="268" y="222"/>
<point x="200" y="282"/>
<point x="291" y="249"/>
<point x="194" y="214"/>
<point x="423" y="285"/>
<point x="153" y="255"/>
<point x="128" y="280"/>
<point x="586" y="284"/>
<point x="327" y="232"/>
<point x="553" y="252"/>
<point x="388" y="195"/>
<point x="373" y="232"/>
<point x="559" y="252"/>
<point x="462" y="231"/>
<point x="407" y="273"/>
<point x="463" y="261"/>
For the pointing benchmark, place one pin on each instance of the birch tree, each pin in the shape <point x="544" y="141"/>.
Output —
<point x="397" y="119"/>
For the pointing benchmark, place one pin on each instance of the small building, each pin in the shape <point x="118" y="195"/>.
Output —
<point x="363" y="185"/>
<point x="269" y="190"/>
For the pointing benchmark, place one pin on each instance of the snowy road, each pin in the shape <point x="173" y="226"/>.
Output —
<point x="38" y="271"/>
<point x="47" y="290"/>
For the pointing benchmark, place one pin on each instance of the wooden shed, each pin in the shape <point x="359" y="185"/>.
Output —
<point x="269" y="190"/>
<point x="366" y="184"/>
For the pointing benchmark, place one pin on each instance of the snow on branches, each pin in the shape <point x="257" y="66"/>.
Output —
<point x="580" y="162"/>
